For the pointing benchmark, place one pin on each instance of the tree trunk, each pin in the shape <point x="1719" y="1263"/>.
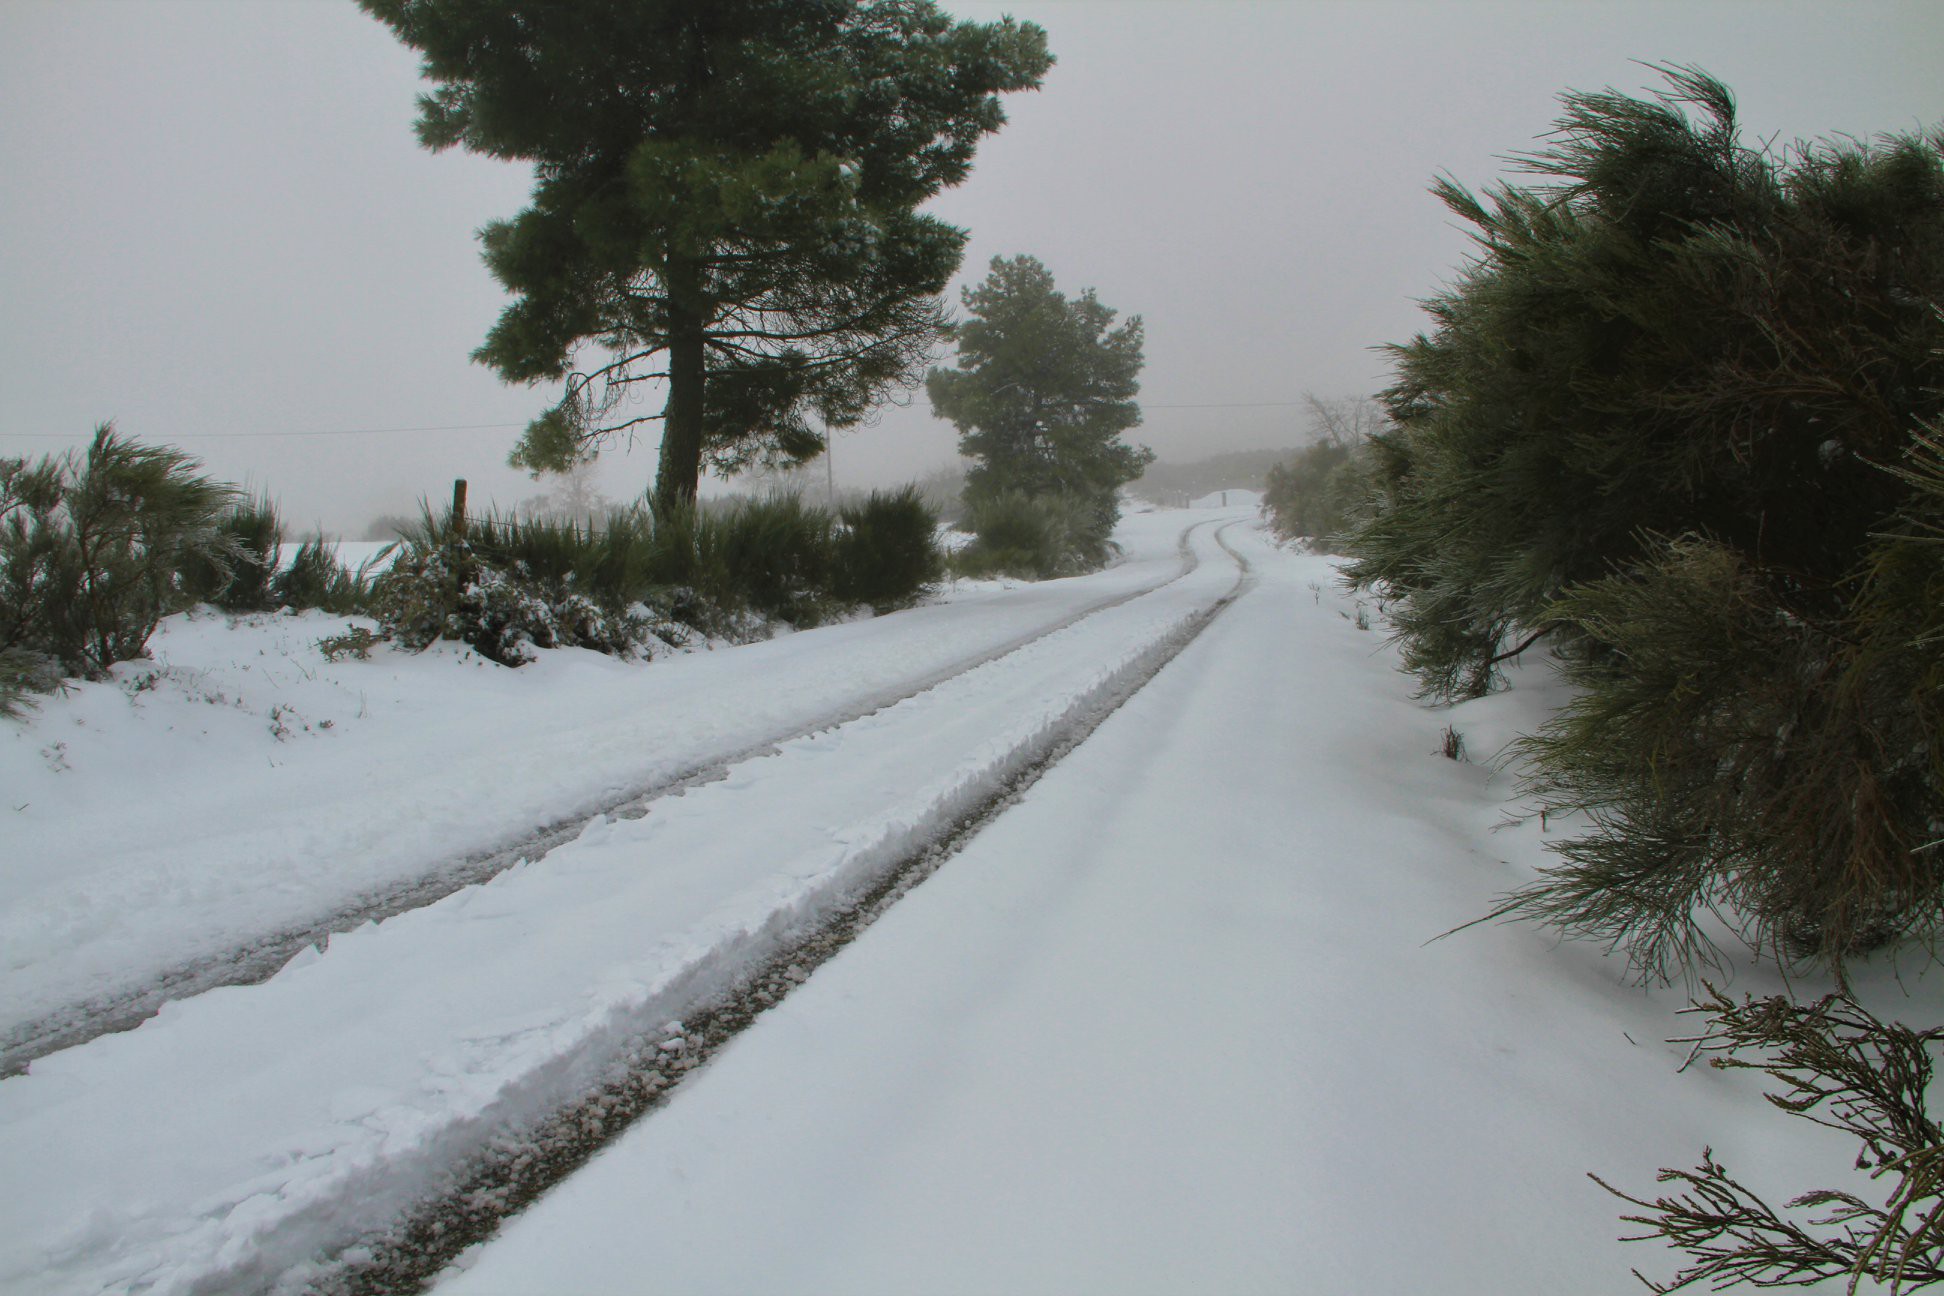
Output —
<point x="681" y="448"/>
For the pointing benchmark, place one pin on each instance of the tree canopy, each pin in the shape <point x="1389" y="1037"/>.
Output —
<point x="1044" y="388"/>
<point x="724" y="213"/>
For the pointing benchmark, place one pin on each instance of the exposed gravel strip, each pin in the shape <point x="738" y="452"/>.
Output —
<point x="522" y="1164"/>
<point x="260" y="958"/>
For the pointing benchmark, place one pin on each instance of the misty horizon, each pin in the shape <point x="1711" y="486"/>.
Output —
<point x="223" y="235"/>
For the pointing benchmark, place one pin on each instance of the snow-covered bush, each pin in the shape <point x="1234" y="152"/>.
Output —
<point x="508" y="586"/>
<point x="443" y="591"/>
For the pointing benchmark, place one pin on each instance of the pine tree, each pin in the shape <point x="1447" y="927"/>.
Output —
<point x="1673" y="418"/>
<point x="725" y="205"/>
<point x="1043" y="390"/>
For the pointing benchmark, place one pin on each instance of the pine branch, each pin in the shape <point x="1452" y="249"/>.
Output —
<point x="1842" y="1068"/>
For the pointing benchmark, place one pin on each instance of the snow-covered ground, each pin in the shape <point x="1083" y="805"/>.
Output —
<point x="239" y="785"/>
<point x="1176" y="1023"/>
<point x="1173" y="1022"/>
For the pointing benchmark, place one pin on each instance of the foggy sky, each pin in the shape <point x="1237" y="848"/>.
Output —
<point x="217" y="229"/>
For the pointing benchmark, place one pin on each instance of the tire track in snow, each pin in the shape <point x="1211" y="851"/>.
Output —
<point x="262" y="957"/>
<point x="477" y="1195"/>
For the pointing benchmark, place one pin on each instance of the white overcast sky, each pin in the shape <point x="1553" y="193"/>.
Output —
<point x="217" y="230"/>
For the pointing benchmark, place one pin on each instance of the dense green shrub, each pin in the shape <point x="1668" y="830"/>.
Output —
<point x="776" y="554"/>
<point x="1034" y="536"/>
<point x="245" y="575"/>
<point x="91" y="545"/>
<point x="887" y="553"/>
<point x="314" y="578"/>
<point x="1312" y="495"/>
<point x="1671" y="418"/>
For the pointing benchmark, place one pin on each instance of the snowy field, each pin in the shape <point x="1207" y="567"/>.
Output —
<point x="1174" y="1021"/>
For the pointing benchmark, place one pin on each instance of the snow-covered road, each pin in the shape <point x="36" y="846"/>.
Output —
<point x="1173" y="1021"/>
<point x="1172" y="1025"/>
<point x="245" y="1131"/>
<point x="239" y="796"/>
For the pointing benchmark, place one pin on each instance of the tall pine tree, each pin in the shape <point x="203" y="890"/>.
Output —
<point x="724" y="216"/>
<point x="1043" y="390"/>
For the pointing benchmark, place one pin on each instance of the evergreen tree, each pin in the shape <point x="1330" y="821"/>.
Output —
<point x="725" y="205"/>
<point x="1044" y="388"/>
<point x="1673" y="417"/>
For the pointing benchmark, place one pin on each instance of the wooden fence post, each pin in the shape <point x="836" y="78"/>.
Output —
<point x="459" y="508"/>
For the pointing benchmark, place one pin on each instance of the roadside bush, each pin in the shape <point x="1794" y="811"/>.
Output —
<point x="238" y="576"/>
<point x="776" y="556"/>
<point x="887" y="551"/>
<point x="1312" y="495"/>
<point x="314" y="578"/>
<point x="1674" y="419"/>
<point x="245" y="577"/>
<point x="90" y="549"/>
<point x="1036" y="537"/>
<point x="506" y="587"/>
<point x="1736" y="761"/>
<point x="681" y="549"/>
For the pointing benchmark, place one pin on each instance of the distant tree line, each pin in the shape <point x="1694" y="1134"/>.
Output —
<point x="1176" y="483"/>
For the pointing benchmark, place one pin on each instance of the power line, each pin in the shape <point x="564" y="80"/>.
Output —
<point x="1228" y="405"/>
<point x="495" y="427"/>
<point x="1159" y="405"/>
<point x="247" y="436"/>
